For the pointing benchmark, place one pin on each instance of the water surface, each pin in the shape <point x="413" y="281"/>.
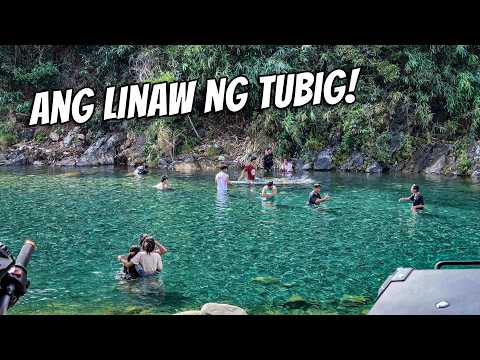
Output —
<point x="284" y="259"/>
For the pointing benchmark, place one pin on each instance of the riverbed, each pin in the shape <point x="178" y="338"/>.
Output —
<point x="289" y="258"/>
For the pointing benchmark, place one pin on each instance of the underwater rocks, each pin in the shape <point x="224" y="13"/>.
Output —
<point x="353" y="300"/>
<point x="215" y="309"/>
<point x="297" y="302"/>
<point x="266" y="280"/>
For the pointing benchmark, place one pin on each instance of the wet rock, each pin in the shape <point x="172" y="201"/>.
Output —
<point x="72" y="174"/>
<point x="187" y="166"/>
<point x="307" y="166"/>
<point x="296" y="302"/>
<point x="54" y="136"/>
<point x="324" y="160"/>
<point x="374" y="168"/>
<point x="437" y="166"/>
<point x="72" y="134"/>
<point x="69" y="161"/>
<point x="353" y="300"/>
<point x="162" y="164"/>
<point x="190" y="312"/>
<point x="298" y="164"/>
<point x="266" y="280"/>
<point x="221" y="309"/>
<point x="17" y="160"/>
<point x="102" y="151"/>
<point x="355" y="163"/>
<point x="37" y="163"/>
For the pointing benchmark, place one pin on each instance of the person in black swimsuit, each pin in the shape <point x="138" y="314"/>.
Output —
<point x="416" y="198"/>
<point x="268" y="160"/>
<point x="315" y="198"/>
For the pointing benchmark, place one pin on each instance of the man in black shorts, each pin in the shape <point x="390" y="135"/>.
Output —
<point x="315" y="198"/>
<point x="416" y="198"/>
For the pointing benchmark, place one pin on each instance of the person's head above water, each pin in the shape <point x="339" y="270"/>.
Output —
<point x="223" y="167"/>
<point x="415" y="189"/>
<point x="148" y="245"/>
<point x="316" y="187"/>
<point x="270" y="184"/>
<point x="253" y="159"/>
<point x="164" y="178"/>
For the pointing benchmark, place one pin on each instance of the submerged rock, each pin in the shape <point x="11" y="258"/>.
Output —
<point x="297" y="301"/>
<point x="266" y="280"/>
<point x="353" y="300"/>
<point x="221" y="309"/>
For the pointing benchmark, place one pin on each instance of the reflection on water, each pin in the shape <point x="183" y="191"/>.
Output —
<point x="285" y="258"/>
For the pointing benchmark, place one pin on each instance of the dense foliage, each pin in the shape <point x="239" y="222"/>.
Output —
<point x="407" y="96"/>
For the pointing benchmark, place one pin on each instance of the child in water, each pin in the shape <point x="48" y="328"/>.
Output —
<point x="131" y="273"/>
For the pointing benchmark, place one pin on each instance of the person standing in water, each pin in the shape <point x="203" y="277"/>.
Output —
<point x="249" y="170"/>
<point x="268" y="160"/>
<point x="416" y="198"/>
<point x="222" y="179"/>
<point x="287" y="167"/>
<point x="315" y="198"/>
<point x="269" y="192"/>
<point x="147" y="262"/>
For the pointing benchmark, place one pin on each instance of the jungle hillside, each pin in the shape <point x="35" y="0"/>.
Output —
<point x="417" y="108"/>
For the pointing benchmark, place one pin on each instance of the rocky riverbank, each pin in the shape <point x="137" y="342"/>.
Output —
<point x="77" y="148"/>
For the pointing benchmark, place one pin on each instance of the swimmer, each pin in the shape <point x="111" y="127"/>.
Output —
<point x="416" y="198"/>
<point x="163" y="184"/>
<point x="249" y="170"/>
<point x="222" y="179"/>
<point x="268" y="192"/>
<point x="315" y="198"/>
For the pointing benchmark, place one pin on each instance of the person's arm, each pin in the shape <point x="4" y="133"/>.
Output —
<point x="159" y="264"/>
<point x="406" y="199"/>
<point x="262" y="194"/>
<point x="161" y="249"/>
<point x="323" y="199"/>
<point x="274" y="191"/>
<point x="228" y="181"/>
<point x="125" y="262"/>
<point x="242" y="174"/>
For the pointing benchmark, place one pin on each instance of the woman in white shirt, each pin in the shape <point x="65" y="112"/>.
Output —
<point x="148" y="261"/>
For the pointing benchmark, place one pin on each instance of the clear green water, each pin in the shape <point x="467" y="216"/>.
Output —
<point x="334" y="257"/>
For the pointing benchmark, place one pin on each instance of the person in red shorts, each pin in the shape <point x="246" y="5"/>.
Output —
<point x="249" y="170"/>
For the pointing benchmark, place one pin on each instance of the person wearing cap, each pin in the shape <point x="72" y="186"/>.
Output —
<point x="249" y="170"/>
<point x="268" y="192"/>
<point x="416" y="198"/>
<point x="222" y="179"/>
<point x="163" y="184"/>
<point x="315" y="198"/>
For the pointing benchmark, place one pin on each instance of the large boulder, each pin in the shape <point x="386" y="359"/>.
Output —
<point x="324" y="160"/>
<point x="437" y="166"/>
<point x="374" y="168"/>
<point x="102" y="151"/>
<point x="356" y="162"/>
<point x="221" y="309"/>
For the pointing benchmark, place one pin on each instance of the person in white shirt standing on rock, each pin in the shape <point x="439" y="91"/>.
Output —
<point x="222" y="180"/>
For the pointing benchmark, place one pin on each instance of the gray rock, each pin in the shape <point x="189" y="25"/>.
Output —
<point x="102" y="151"/>
<point x="54" y="136"/>
<point x="162" y="164"/>
<point x="437" y="166"/>
<point x="356" y="162"/>
<point x="221" y="309"/>
<point x="37" y="163"/>
<point x="307" y="166"/>
<point x="476" y="173"/>
<point x="70" y="161"/>
<point x="374" y="168"/>
<point x="298" y="164"/>
<point x="324" y="160"/>
<point x="16" y="160"/>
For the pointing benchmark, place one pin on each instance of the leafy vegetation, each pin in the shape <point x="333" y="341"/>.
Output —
<point x="406" y="95"/>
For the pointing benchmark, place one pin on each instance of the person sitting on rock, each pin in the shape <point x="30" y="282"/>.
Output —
<point x="315" y="198"/>
<point x="147" y="262"/>
<point x="163" y="184"/>
<point x="416" y="198"/>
